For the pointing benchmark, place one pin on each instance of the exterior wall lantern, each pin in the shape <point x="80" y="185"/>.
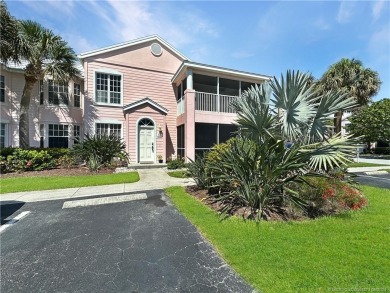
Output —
<point x="159" y="132"/>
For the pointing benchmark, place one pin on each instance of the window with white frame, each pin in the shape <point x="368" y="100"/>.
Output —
<point x="3" y="135"/>
<point x="58" y="93"/>
<point x="2" y="88"/>
<point x="58" y="136"/>
<point x="108" y="88"/>
<point x="76" y="134"/>
<point x="76" y="95"/>
<point x="41" y="92"/>
<point x="108" y="129"/>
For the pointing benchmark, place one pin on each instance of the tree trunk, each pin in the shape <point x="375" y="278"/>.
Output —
<point x="24" y="125"/>
<point x="337" y="121"/>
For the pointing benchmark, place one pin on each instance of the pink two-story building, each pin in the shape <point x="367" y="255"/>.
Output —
<point x="145" y="91"/>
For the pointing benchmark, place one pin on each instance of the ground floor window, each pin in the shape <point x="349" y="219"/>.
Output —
<point x="108" y="129"/>
<point x="207" y="135"/>
<point x="180" y="142"/>
<point x="58" y="136"/>
<point x="76" y="134"/>
<point x="3" y="135"/>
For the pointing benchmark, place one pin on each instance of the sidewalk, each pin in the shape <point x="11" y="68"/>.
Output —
<point x="149" y="179"/>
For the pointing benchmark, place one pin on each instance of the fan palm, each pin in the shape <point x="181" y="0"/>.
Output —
<point x="46" y="54"/>
<point x="297" y="113"/>
<point x="352" y="79"/>
<point x="9" y="30"/>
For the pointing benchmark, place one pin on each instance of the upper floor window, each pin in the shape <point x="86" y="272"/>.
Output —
<point x="2" y="88"/>
<point x="76" y="95"/>
<point x="108" y="88"/>
<point x="41" y="92"/>
<point x="58" y="93"/>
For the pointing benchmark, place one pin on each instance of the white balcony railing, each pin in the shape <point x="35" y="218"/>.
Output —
<point x="180" y="106"/>
<point x="214" y="102"/>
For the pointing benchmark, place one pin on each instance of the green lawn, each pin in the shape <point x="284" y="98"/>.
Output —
<point x="353" y="165"/>
<point x="57" y="182"/>
<point x="178" y="174"/>
<point x="349" y="251"/>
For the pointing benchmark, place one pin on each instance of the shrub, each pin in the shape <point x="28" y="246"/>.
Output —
<point x="103" y="148"/>
<point x="175" y="164"/>
<point x="5" y="152"/>
<point x="93" y="163"/>
<point x="328" y="195"/>
<point x="382" y="150"/>
<point x="197" y="170"/>
<point x="66" y="161"/>
<point x="28" y="160"/>
<point x="57" y="153"/>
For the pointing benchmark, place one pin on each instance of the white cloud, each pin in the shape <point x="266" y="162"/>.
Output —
<point x="242" y="54"/>
<point x="379" y="46"/>
<point x="78" y="43"/>
<point x="345" y="12"/>
<point x="51" y="8"/>
<point x="377" y="9"/>
<point x="129" y="20"/>
<point x="321" y="24"/>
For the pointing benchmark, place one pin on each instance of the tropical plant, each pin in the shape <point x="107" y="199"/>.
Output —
<point x="285" y="136"/>
<point x="351" y="78"/>
<point x="372" y="123"/>
<point x="9" y="42"/>
<point x="45" y="53"/>
<point x="101" y="147"/>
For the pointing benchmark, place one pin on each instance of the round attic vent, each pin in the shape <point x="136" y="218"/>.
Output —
<point x="156" y="49"/>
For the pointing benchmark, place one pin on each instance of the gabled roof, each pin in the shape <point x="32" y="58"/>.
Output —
<point x="146" y="100"/>
<point x="216" y="69"/>
<point x="132" y="43"/>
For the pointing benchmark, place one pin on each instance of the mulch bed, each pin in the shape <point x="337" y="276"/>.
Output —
<point x="243" y="212"/>
<point x="77" y="171"/>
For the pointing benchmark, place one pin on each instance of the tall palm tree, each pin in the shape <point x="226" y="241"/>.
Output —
<point x="46" y="54"/>
<point x="9" y="31"/>
<point x="352" y="79"/>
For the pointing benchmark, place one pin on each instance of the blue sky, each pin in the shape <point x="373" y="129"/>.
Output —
<point x="256" y="36"/>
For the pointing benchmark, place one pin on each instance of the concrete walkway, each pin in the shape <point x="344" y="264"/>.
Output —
<point x="373" y="161"/>
<point x="149" y="179"/>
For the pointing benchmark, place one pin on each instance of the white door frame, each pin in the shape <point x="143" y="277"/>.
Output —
<point x="137" y="138"/>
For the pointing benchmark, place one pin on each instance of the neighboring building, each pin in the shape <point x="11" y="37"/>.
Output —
<point x="145" y="91"/>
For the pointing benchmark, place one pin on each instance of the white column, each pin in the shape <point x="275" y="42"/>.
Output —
<point x="218" y="94"/>
<point x="190" y="80"/>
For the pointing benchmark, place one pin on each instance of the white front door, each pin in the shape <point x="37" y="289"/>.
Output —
<point x="146" y="145"/>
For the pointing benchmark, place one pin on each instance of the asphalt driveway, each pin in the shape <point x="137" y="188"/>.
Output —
<point x="136" y="246"/>
<point x="376" y="180"/>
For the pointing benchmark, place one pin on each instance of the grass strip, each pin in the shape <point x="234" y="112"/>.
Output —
<point x="178" y="174"/>
<point x="57" y="182"/>
<point x="349" y="251"/>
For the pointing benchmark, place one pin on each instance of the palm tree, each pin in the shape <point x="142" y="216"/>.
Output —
<point x="259" y="164"/>
<point x="9" y="30"/>
<point x="351" y="78"/>
<point x="302" y="118"/>
<point x="46" y="54"/>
